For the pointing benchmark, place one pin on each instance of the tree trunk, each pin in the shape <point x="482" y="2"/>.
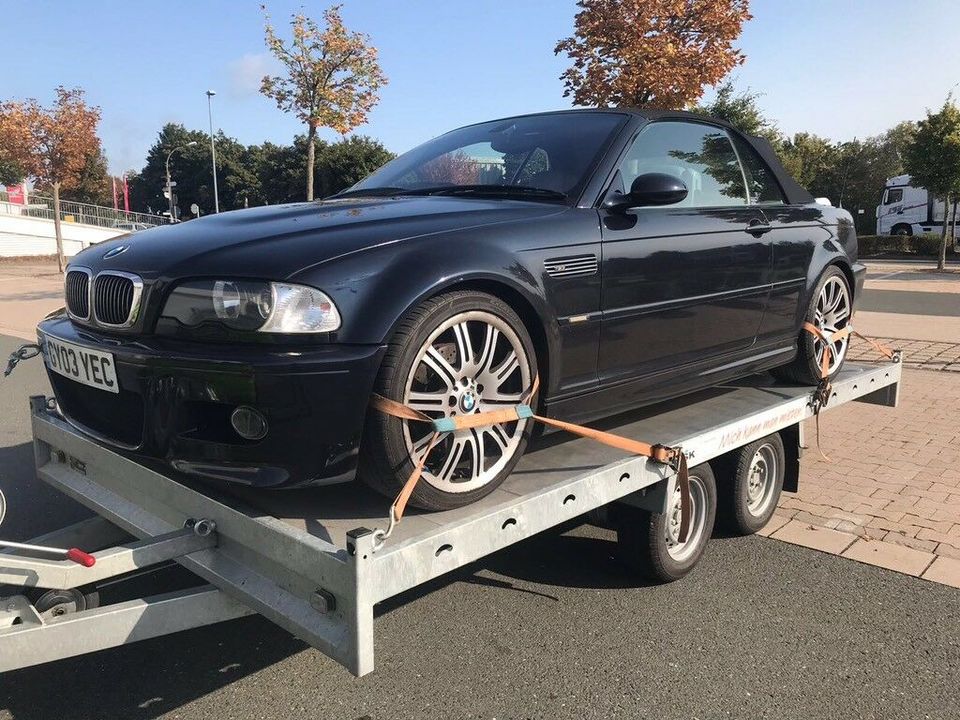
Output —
<point x="942" y="258"/>
<point x="953" y="223"/>
<point x="61" y="262"/>
<point x="311" y="155"/>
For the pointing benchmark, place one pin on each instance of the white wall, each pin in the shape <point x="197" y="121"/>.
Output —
<point x="25" y="236"/>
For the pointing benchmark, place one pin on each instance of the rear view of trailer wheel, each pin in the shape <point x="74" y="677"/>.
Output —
<point x="750" y="484"/>
<point x="649" y="542"/>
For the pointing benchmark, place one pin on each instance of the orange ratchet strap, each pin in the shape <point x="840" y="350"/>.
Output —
<point x="821" y="396"/>
<point x="672" y="456"/>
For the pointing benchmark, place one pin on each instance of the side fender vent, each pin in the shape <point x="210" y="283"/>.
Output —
<point x="573" y="266"/>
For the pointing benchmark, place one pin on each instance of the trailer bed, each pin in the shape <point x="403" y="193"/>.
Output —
<point x="307" y="559"/>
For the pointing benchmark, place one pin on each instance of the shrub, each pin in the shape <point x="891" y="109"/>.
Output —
<point x="928" y="244"/>
<point x="921" y="245"/>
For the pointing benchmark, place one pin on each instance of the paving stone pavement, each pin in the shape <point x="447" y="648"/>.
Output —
<point x="923" y="354"/>
<point x="893" y="480"/>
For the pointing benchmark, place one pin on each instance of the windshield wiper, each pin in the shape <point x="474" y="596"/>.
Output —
<point x="504" y="190"/>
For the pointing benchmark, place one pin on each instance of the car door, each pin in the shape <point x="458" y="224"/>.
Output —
<point x="795" y="232"/>
<point x="684" y="282"/>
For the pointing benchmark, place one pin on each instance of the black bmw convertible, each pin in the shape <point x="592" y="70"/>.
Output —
<point x="621" y="257"/>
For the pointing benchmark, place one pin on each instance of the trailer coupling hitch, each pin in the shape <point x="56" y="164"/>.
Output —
<point x="24" y="352"/>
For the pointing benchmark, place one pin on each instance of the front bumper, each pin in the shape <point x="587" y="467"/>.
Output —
<point x="176" y="399"/>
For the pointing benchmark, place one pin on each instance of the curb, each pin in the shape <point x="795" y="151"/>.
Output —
<point x="917" y="563"/>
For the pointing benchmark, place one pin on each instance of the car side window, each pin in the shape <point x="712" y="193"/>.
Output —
<point x="699" y="155"/>
<point x="761" y="183"/>
<point x="894" y="195"/>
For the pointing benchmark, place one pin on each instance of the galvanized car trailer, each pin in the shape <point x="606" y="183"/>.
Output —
<point x="308" y="560"/>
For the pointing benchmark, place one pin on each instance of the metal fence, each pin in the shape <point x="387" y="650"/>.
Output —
<point x="40" y="206"/>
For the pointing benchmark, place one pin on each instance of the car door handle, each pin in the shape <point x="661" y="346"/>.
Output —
<point x="757" y="228"/>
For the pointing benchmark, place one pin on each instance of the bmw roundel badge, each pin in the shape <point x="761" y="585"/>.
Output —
<point x="113" y="252"/>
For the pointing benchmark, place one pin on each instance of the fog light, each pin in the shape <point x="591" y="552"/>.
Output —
<point x="250" y="424"/>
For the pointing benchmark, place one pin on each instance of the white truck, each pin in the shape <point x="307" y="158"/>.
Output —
<point x="907" y="210"/>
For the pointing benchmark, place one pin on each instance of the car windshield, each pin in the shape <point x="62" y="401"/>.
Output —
<point x="538" y="157"/>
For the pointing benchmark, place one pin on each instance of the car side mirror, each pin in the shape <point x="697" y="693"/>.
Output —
<point x="657" y="189"/>
<point x="649" y="189"/>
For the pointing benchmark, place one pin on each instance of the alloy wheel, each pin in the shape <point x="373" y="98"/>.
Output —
<point x="473" y="362"/>
<point x="832" y="314"/>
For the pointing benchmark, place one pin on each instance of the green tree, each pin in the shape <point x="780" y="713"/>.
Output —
<point x="189" y="168"/>
<point x="10" y="172"/>
<point x="93" y="185"/>
<point x="332" y="77"/>
<point x="742" y="110"/>
<point x="347" y="162"/>
<point x="809" y="159"/>
<point x="248" y="175"/>
<point x="933" y="161"/>
<point x="280" y="172"/>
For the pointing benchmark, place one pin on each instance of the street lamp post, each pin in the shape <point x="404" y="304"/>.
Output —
<point x="169" y="186"/>
<point x="213" y="151"/>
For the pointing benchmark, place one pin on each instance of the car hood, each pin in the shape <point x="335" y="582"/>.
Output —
<point x="276" y="242"/>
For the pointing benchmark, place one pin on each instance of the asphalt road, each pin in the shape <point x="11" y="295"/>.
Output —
<point x="552" y="628"/>
<point x="911" y="302"/>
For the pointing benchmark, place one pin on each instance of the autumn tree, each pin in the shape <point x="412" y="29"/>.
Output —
<point x="16" y="140"/>
<point x="332" y="77"/>
<point x="933" y="161"/>
<point x="655" y="53"/>
<point x="53" y="146"/>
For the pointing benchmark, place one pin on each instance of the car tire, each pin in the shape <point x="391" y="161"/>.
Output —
<point x="646" y="542"/>
<point x="748" y="495"/>
<point x="451" y="354"/>
<point x="902" y="230"/>
<point x="805" y="368"/>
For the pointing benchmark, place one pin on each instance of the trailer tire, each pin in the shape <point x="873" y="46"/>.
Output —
<point x="646" y="540"/>
<point x="748" y="495"/>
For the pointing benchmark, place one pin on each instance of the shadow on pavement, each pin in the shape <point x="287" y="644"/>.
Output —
<point x="150" y="678"/>
<point x="154" y="677"/>
<point x="33" y="507"/>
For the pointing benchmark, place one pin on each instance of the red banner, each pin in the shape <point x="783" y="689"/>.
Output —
<point x="15" y="194"/>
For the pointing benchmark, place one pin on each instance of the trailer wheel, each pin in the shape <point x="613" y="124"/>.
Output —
<point x="52" y="604"/>
<point x="749" y="496"/>
<point x="647" y="541"/>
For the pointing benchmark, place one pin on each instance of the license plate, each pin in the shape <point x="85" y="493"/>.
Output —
<point x="89" y="367"/>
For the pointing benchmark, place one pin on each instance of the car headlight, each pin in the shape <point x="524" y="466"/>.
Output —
<point x="252" y="306"/>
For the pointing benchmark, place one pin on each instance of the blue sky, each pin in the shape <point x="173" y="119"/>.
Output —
<point x="839" y="68"/>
